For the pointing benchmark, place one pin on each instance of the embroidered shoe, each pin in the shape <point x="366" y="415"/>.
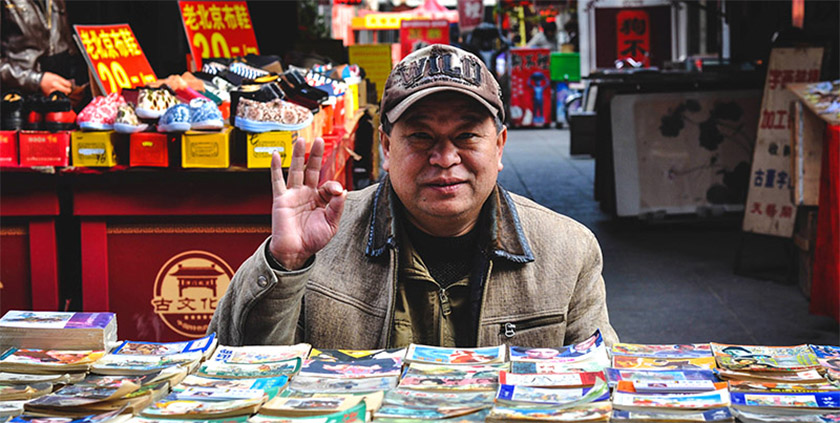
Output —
<point x="127" y="122"/>
<point x="275" y="115"/>
<point x="175" y="119"/>
<point x="152" y="102"/>
<point x="205" y="115"/>
<point x="100" y="114"/>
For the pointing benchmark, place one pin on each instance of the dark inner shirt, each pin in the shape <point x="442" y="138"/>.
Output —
<point x="449" y="259"/>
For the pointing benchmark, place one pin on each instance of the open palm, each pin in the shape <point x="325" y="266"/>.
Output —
<point x="304" y="216"/>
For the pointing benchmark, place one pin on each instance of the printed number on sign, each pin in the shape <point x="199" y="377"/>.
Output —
<point x="115" y="76"/>
<point x="217" y="43"/>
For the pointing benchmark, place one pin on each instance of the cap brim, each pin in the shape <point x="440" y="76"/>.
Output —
<point x="398" y="110"/>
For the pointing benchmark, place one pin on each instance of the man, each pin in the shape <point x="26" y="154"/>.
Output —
<point x="545" y="39"/>
<point x="437" y="253"/>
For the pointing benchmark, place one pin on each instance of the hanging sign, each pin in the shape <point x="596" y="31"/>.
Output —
<point x="218" y="29"/>
<point x="416" y="34"/>
<point x="114" y="57"/>
<point x="633" y="35"/>
<point x="770" y="209"/>
<point x="375" y="59"/>
<point x="470" y="14"/>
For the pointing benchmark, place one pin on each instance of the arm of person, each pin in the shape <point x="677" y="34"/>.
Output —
<point x="262" y="303"/>
<point x="588" y="307"/>
<point x="16" y="76"/>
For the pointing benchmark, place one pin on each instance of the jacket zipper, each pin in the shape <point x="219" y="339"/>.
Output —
<point x="390" y="318"/>
<point x="509" y="329"/>
<point x="483" y="298"/>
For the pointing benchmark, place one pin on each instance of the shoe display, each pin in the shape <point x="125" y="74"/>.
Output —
<point x="101" y="113"/>
<point x="262" y="93"/>
<point x="152" y="102"/>
<point x="59" y="114"/>
<point x="12" y="111"/>
<point x="127" y="122"/>
<point x="205" y="115"/>
<point x="175" y="119"/>
<point x="32" y="112"/>
<point x="275" y="115"/>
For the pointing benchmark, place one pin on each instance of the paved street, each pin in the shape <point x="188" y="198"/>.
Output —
<point x="671" y="282"/>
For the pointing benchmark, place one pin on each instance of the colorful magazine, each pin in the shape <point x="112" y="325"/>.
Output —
<point x="764" y="358"/>
<point x="79" y="395"/>
<point x="750" y="386"/>
<point x="24" y="391"/>
<point x="171" y="407"/>
<point x="814" y="400"/>
<point x="413" y="414"/>
<point x="829" y="358"/>
<point x="552" y="397"/>
<point x="616" y="375"/>
<point x="240" y="419"/>
<point x="353" y="369"/>
<point x="142" y="364"/>
<point x="713" y="415"/>
<point x="630" y="401"/>
<point x="748" y="416"/>
<point x="355" y="355"/>
<point x="530" y="367"/>
<point x="556" y="380"/>
<point x="17" y="378"/>
<point x="444" y="383"/>
<point x="55" y="320"/>
<point x="94" y="418"/>
<point x="663" y="350"/>
<point x="22" y="359"/>
<point x="270" y="385"/>
<point x="591" y="348"/>
<point x="650" y="363"/>
<point x="354" y="414"/>
<point x="443" y="355"/>
<point x="669" y="386"/>
<point x="309" y="406"/>
<point x="409" y="398"/>
<point x="215" y="369"/>
<point x="599" y="411"/>
<point x="807" y="376"/>
<point x="202" y="345"/>
<point x="260" y="354"/>
<point x="343" y="385"/>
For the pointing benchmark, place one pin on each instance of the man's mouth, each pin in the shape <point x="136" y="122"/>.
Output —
<point x="445" y="184"/>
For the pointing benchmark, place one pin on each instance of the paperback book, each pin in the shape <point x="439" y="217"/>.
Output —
<point x="828" y="401"/>
<point x="526" y="367"/>
<point x="829" y="358"/>
<point x="592" y="348"/>
<point x="663" y="350"/>
<point x="551" y="380"/>
<point x="706" y="400"/>
<point x="141" y="419"/>
<point x="807" y="376"/>
<point x="636" y="416"/>
<point x="260" y="354"/>
<point x="111" y="416"/>
<point x="271" y="386"/>
<point x="356" y="355"/>
<point x="764" y="358"/>
<point x="17" y="378"/>
<point x="449" y="356"/>
<point x="748" y="416"/>
<point x="454" y="378"/>
<point x="384" y="367"/>
<point x="669" y="387"/>
<point x="25" y="391"/>
<point x="75" y="396"/>
<point x="218" y="394"/>
<point x="217" y="369"/>
<point x="617" y="375"/>
<point x="343" y="385"/>
<point x="127" y="364"/>
<point x="48" y="361"/>
<point x="750" y="386"/>
<point x="476" y="417"/>
<point x="552" y="397"/>
<point x="171" y="407"/>
<point x="594" y="412"/>
<point x="356" y="413"/>
<point x="651" y="363"/>
<point x="314" y="405"/>
<point x="205" y="346"/>
<point x="425" y="405"/>
<point x="58" y="330"/>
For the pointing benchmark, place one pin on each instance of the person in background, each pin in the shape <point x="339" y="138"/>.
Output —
<point x="547" y="38"/>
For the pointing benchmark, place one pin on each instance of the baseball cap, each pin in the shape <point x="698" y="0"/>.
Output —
<point x="438" y="68"/>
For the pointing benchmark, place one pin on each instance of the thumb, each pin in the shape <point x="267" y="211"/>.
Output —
<point x="335" y="206"/>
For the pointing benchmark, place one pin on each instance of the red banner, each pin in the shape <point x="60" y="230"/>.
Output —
<point x="114" y="57"/>
<point x="416" y="34"/>
<point x="218" y="29"/>
<point x="633" y="35"/>
<point x="470" y="14"/>
<point x="530" y="87"/>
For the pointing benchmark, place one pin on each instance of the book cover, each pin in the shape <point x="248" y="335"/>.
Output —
<point x="55" y="320"/>
<point x="356" y="413"/>
<point x="17" y="378"/>
<point x="217" y="394"/>
<point x="127" y="364"/>
<point x="354" y="355"/>
<point x="215" y="369"/>
<point x="650" y="363"/>
<point x="557" y="380"/>
<point x="409" y="398"/>
<point x="599" y="411"/>
<point x="313" y="405"/>
<point x="201" y="345"/>
<point x="260" y="354"/>
<point x="342" y="385"/>
<point x="829" y="358"/>
<point x="141" y="419"/>
<point x="552" y="397"/>
<point x="663" y="350"/>
<point x="816" y="400"/>
<point x="587" y="349"/>
<point x="39" y="358"/>
<point x="780" y="387"/>
<point x="616" y="375"/>
<point x="24" y="391"/>
<point x="173" y="407"/>
<point x="443" y="355"/>
<point x="438" y="413"/>
<point x="672" y="386"/>
<point x="93" y="418"/>
<point x="714" y="415"/>
<point x="765" y="415"/>
<point x="352" y="369"/>
<point x="715" y="399"/>
<point x="78" y="395"/>
<point x="530" y="367"/>
<point x="764" y="358"/>
<point x="270" y="385"/>
<point x="445" y="383"/>
<point x="475" y="417"/>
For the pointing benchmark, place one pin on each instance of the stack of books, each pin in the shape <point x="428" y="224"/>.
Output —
<point x="58" y="330"/>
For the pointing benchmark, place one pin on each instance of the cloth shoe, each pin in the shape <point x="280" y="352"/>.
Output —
<point x="127" y="121"/>
<point x="275" y="115"/>
<point x="152" y="102"/>
<point x="59" y="114"/>
<point x="205" y="115"/>
<point x="175" y="119"/>
<point x="12" y="111"/>
<point x="101" y="113"/>
<point x="33" y="112"/>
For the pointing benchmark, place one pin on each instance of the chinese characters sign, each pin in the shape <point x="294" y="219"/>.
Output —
<point x="416" y="34"/>
<point x="633" y="36"/>
<point x="530" y="87"/>
<point x="218" y="29"/>
<point x="770" y="209"/>
<point x="114" y="57"/>
<point x="375" y="59"/>
<point x="470" y="14"/>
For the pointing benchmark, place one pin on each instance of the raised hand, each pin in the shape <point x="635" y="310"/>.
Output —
<point x="304" y="216"/>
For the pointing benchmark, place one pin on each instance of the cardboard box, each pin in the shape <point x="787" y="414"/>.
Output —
<point x="206" y="149"/>
<point x="42" y="148"/>
<point x="9" y="149"/>
<point x="262" y="146"/>
<point x="94" y="149"/>
<point x="148" y="149"/>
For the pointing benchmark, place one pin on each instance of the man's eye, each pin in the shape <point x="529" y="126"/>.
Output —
<point x="420" y="136"/>
<point x="467" y="136"/>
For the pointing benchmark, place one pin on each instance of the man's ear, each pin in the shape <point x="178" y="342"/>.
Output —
<point x="385" y="141"/>
<point x="500" y="145"/>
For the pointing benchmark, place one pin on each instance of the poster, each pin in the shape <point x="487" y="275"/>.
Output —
<point x="633" y="35"/>
<point x="680" y="153"/>
<point x="218" y="29"/>
<point x="470" y="14"/>
<point x="769" y="208"/>
<point x="114" y="57"/>
<point x="530" y="87"/>
<point x="416" y="34"/>
<point x="375" y="59"/>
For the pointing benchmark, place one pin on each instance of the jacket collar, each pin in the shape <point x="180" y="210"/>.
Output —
<point x="501" y="233"/>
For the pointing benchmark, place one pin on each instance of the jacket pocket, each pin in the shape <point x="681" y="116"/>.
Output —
<point x="544" y="331"/>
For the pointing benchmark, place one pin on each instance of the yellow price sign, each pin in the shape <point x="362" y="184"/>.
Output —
<point x="218" y="29"/>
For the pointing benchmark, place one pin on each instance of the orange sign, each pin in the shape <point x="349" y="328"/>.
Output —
<point x="218" y="29"/>
<point x="114" y="57"/>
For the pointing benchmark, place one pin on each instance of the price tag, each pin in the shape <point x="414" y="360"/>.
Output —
<point x="218" y="29"/>
<point x="114" y="57"/>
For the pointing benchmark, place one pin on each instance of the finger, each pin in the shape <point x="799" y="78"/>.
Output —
<point x="335" y="207"/>
<point x="298" y="158"/>
<point x="327" y="191"/>
<point x="313" y="167"/>
<point x="278" y="184"/>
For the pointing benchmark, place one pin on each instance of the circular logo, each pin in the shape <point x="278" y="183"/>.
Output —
<point x="187" y="289"/>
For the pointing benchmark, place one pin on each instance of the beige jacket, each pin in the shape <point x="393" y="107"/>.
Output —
<point x="542" y="284"/>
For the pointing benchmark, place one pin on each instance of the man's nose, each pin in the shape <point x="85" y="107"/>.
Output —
<point x="445" y="154"/>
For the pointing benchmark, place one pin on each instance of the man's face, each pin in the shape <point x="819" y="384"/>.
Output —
<point x="443" y="156"/>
